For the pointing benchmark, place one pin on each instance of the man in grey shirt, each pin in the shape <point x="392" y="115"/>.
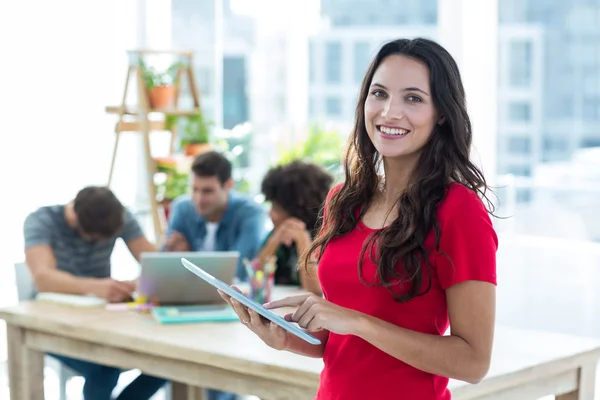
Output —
<point x="68" y="249"/>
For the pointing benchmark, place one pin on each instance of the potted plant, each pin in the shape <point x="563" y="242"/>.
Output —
<point x="172" y="181"/>
<point x="160" y="85"/>
<point x="320" y="146"/>
<point x="194" y="133"/>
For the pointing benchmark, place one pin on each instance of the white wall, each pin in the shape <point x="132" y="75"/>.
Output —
<point x="61" y="62"/>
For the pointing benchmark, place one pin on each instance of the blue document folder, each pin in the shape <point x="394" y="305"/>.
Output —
<point x="191" y="314"/>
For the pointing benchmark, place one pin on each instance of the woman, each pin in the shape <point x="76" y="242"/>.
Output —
<point x="297" y="192"/>
<point x="424" y="241"/>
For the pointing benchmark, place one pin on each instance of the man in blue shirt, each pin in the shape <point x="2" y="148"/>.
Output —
<point x="215" y="218"/>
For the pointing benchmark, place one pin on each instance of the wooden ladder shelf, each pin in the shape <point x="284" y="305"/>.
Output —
<point x="137" y="118"/>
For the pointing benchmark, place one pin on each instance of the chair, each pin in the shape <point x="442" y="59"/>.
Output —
<point x="26" y="291"/>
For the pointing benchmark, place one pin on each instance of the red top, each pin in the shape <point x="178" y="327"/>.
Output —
<point x="354" y="369"/>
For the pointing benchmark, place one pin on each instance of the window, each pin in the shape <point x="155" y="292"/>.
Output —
<point x="588" y="54"/>
<point x="523" y="195"/>
<point x="520" y="170"/>
<point x="591" y="109"/>
<point x="520" y="63"/>
<point x="555" y="144"/>
<point x="401" y="19"/>
<point x="204" y="80"/>
<point x="333" y="62"/>
<point x="430" y="18"/>
<point x="590" y="142"/>
<point x="235" y="102"/>
<point x="562" y="105"/>
<point x="520" y="145"/>
<point x="333" y="106"/>
<point x="519" y="112"/>
<point x="591" y="82"/>
<point x="362" y="58"/>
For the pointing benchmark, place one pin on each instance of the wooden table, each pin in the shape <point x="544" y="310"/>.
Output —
<point x="226" y="356"/>
<point x="527" y="365"/>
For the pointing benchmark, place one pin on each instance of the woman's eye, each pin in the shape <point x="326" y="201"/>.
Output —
<point x="414" y="98"/>
<point x="378" y="93"/>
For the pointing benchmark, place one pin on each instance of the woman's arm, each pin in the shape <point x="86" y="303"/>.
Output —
<point x="269" y="249"/>
<point x="308" y="276"/>
<point x="464" y="354"/>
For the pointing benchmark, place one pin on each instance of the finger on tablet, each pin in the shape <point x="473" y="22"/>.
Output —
<point x="290" y="301"/>
<point x="236" y="288"/>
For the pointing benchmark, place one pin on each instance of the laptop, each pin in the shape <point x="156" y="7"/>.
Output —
<point x="162" y="279"/>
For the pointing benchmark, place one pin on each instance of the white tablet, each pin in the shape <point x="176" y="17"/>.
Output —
<point x="248" y="302"/>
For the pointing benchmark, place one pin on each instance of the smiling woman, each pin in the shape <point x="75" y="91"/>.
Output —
<point x="405" y="255"/>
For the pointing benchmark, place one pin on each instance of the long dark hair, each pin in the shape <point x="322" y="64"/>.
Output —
<point x="401" y="254"/>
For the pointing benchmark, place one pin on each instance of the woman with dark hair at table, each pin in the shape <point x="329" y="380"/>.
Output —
<point x="297" y="193"/>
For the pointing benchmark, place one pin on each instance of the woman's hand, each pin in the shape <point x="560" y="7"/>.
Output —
<point x="316" y="314"/>
<point x="269" y="332"/>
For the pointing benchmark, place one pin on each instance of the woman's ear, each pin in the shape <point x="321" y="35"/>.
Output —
<point x="441" y="121"/>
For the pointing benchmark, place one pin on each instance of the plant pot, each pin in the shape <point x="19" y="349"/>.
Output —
<point x="162" y="96"/>
<point x="195" y="149"/>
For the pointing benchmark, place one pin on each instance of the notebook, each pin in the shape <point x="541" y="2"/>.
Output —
<point x="191" y="314"/>
<point x="71" y="299"/>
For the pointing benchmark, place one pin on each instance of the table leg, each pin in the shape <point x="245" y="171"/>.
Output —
<point x="25" y="367"/>
<point x="182" y="391"/>
<point x="586" y="383"/>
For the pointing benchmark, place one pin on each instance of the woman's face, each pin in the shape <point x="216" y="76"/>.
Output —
<point x="277" y="214"/>
<point x="399" y="110"/>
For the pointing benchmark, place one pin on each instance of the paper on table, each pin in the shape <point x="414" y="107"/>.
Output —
<point x="71" y="299"/>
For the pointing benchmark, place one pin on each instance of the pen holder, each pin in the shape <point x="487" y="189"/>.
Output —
<point x="261" y="284"/>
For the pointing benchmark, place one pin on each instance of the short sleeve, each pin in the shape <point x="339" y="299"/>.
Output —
<point x="36" y="231"/>
<point x="131" y="229"/>
<point x="468" y="243"/>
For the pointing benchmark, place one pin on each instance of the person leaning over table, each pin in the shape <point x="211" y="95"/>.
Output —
<point x="403" y="255"/>
<point x="215" y="217"/>
<point x="68" y="249"/>
<point x="297" y="193"/>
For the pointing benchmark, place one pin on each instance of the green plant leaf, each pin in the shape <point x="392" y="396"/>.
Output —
<point x="320" y="146"/>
